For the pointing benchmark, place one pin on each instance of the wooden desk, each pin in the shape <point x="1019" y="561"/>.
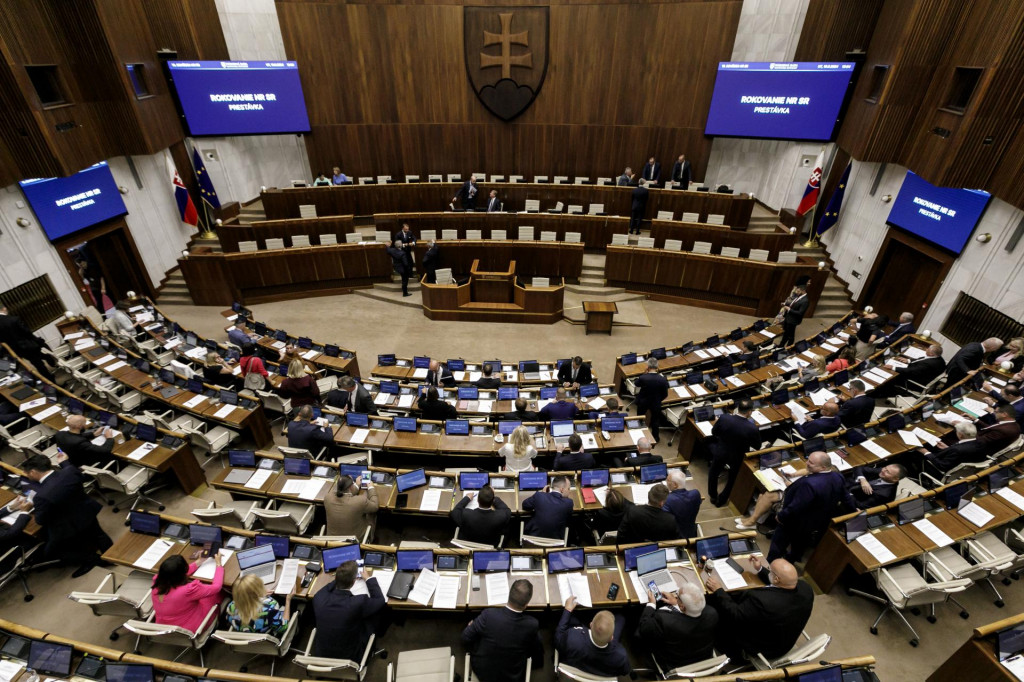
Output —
<point x="719" y="236"/>
<point x="530" y="304"/>
<point x="532" y="258"/>
<point x="976" y="658"/>
<point x="492" y="286"/>
<point x="230" y="233"/>
<point x="599" y="315"/>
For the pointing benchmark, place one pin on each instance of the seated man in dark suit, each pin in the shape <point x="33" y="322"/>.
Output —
<point x="649" y="522"/>
<point x="433" y="408"/>
<point x="967" y="448"/>
<point x="595" y="650"/>
<point x="77" y="444"/>
<point x="576" y="458"/>
<point x="1000" y="434"/>
<point x="857" y="410"/>
<point x="574" y="374"/>
<point x="521" y="414"/>
<point x="487" y="523"/>
<point x="876" y="485"/>
<point x="488" y="380"/>
<point x="643" y="456"/>
<point x="682" y="630"/>
<point x="345" y="621"/>
<point x="351" y="395"/>
<point x="767" y="620"/>
<point x="903" y="327"/>
<point x="921" y="372"/>
<point x="560" y="408"/>
<point x="303" y="433"/>
<point x="500" y="640"/>
<point x="969" y="358"/>
<point x="683" y="504"/>
<point x="552" y="510"/>
<point x="827" y="422"/>
<point x="11" y="534"/>
<point x="439" y="375"/>
<point x="1010" y="395"/>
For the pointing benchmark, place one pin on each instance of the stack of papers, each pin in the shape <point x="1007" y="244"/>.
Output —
<point x="1012" y="496"/>
<point x="925" y="436"/>
<point x="497" y="588"/>
<point x="635" y="435"/>
<point x="681" y="391"/>
<point x="426" y="583"/>
<point x="207" y="569"/>
<point x="770" y="479"/>
<point x="975" y="514"/>
<point x="597" y="402"/>
<point x="838" y="462"/>
<point x="194" y="401"/>
<point x="258" y="479"/>
<point x="172" y="343"/>
<point x="406" y="400"/>
<point x="914" y="353"/>
<point x="31" y="404"/>
<point x="822" y="396"/>
<point x="141" y="451"/>
<point x="1015" y="666"/>
<point x="381" y="398"/>
<point x="760" y="419"/>
<point x="875" y="548"/>
<point x="601" y="494"/>
<point x="705" y="427"/>
<point x="430" y="500"/>
<point x="698" y="389"/>
<point x="72" y="337"/>
<point x="152" y="556"/>
<point x="359" y="436"/>
<point x="933" y="532"/>
<point x="875" y="449"/>
<point x="972" y="406"/>
<point x="114" y="366"/>
<point x="223" y="412"/>
<point x="575" y="585"/>
<point x="310" y="354"/>
<point x="767" y="334"/>
<point x="727" y="575"/>
<point x="639" y="492"/>
<point x="910" y="438"/>
<point x="797" y="411"/>
<point x="47" y="413"/>
<point x="446" y="595"/>
<point x="735" y="381"/>
<point x="104" y="360"/>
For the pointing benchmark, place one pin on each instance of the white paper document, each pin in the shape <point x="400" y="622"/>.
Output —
<point x="311" y="489"/>
<point x="194" y="401"/>
<point x="597" y="402"/>
<point x="42" y="415"/>
<point x="829" y="347"/>
<point x="383" y="579"/>
<point x="75" y="335"/>
<point x="822" y="396"/>
<point x="914" y="353"/>
<point x="933" y="532"/>
<point x="406" y="400"/>
<point x="224" y="412"/>
<point x="875" y="449"/>
<point x="426" y="582"/>
<point x="727" y="575"/>
<point x="31" y="404"/>
<point x="153" y="554"/>
<point x="638" y="587"/>
<point x="310" y="354"/>
<point x="114" y="366"/>
<point x="797" y="411"/>
<point x="289" y="574"/>
<point x="875" y="548"/>
<point x="1012" y="496"/>
<point x="910" y="438"/>
<point x="735" y="381"/>
<point x="84" y="344"/>
<point x="497" y="588"/>
<point x="419" y="373"/>
<point x="703" y="355"/>
<point x="698" y="389"/>
<point x="681" y="391"/>
<point x="446" y="595"/>
<point x="258" y="479"/>
<point x="838" y="462"/>
<point x="484" y="405"/>
<point x="141" y="451"/>
<point x="714" y="352"/>
<point x="208" y="568"/>
<point x="430" y="500"/>
<point x="172" y="343"/>
<point x="575" y="585"/>
<point x="639" y="492"/>
<point x="601" y="494"/>
<point x="976" y="515"/>
<point x="767" y="334"/>
<point x="760" y="419"/>
<point x="705" y="427"/>
<point x="635" y="435"/>
<point x="104" y="360"/>
<point x="359" y="436"/>
<point x="975" y="407"/>
<point x="770" y="479"/>
<point x="381" y="398"/>
<point x="1015" y="666"/>
<point x="10" y="670"/>
<point x="925" y="436"/>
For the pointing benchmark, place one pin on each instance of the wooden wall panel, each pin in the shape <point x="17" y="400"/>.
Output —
<point x="834" y="27"/>
<point x="189" y="27"/>
<point x="388" y="93"/>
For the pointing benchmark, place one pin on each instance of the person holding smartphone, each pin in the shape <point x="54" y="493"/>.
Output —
<point x="681" y="630"/>
<point x="351" y="508"/>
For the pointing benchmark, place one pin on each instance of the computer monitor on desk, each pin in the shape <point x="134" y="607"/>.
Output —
<point x="491" y="562"/>
<point x="562" y="560"/>
<point x="410" y="480"/>
<point x="130" y="672"/>
<point x="532" y="480"/>
<point x="49" y="658"/>
<point x="336" y="556"/>
<point x="456" y="427"/>
<point x="473" y="480"/>
<point x="713" y="547"/>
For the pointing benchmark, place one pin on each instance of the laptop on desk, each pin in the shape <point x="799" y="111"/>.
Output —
<point x="259" y="561"/>
<point x="560" y="432"/>
<point x="654" y="567"/>
<point x="530" y="370"/>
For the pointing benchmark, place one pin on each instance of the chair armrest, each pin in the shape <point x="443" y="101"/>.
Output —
<point x="451" y="668"/>
<point x="467" y="670"/>
<point x="366" y="652"/>
<point x="391" y="672"/>
<point x="211" y="614"/>
<point x="307" y="516"/>
<point x="141" y="472"/>
<point x="309" y="643"/>
<point x="106" y="579"/>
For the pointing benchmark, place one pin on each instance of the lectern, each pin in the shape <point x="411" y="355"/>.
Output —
<point x="492" y="287"/>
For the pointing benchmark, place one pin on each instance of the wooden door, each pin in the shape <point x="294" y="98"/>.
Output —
<point x="905" y="277"/>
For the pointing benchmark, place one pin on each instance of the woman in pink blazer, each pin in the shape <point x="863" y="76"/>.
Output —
<point x="182" y="602"/>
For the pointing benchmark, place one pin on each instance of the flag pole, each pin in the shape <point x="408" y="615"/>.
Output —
<point x="207" y="232"/>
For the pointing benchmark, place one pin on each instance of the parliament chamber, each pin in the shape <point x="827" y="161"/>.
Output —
<point x="291" y="388"/>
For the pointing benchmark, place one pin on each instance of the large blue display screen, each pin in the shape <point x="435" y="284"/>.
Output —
<point x="66" y="205"/>
<point x="240" y="98"/>
<point x="943" y="215"/>
<point x="778" y="100"/>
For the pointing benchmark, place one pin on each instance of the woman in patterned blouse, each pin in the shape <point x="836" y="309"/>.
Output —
<point x="253" y="610"/>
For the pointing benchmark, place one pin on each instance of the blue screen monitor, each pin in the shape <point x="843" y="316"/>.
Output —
<point x="241" y="458"/>
<point x="505" y="428"/>
<point x="469" y="393"/>
<point x="652" y="473"/>
<point x="456" y="427"/>
<point x="1010" y="642"/>
<point x="201" y="535"/>
<point x="410" y="480"/>
<point x="240" y="98"/>
<point x="613" y="424"/>
<point x="491" y="562"/>
<point x="49" y="658"/>
<point x="631" y="553"/>
<point x="129" y="672"/>
<point x="628" y="359"/>
<point x="354" y="471"/>
<point x="386" y="360"/>
<point x="532" y="480"/>
<point x="714" y="547"/>
<point x="781" y="101"/>
<point x="390" y="387"/>
<point x="144" y="522"/>
<point x="589" y="390"/>
<point x="414" y="559"/>
<point x="565" y="560"/>
<point x="508" y="393"/>
<point x="457" y="365"/>
<point x="357" y="419"/>
<point x="833" y="673"/>
<point x="548" y="392"/>
<point x="146" y="432"/>
<point x="336" y="556"/>
<point x="420" y="362"/>
<point x="945" y="216"/>
<point x="405" y="424"/>
<point x="593" y="478"/>
<point x="296" y="466"/>
<point x="282" y="548"/>
<point x="472" y="480"/>
<point x="66" y="205"/>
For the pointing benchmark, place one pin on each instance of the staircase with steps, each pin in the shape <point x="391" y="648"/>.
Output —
<point x="173" y="290"/>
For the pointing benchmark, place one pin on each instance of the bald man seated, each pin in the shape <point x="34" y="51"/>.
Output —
<point x="766" y="620"/>
<point x="595" y="649"/>
<point x="77" y="443"/>
<point x="827" y="422"/>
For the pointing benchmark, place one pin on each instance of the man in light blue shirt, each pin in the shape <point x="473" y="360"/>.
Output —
<point x="237" y="335"/>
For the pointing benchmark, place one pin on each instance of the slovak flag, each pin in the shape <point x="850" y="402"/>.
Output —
<point x="813" y="186"/>
<point x="186" y="209"/>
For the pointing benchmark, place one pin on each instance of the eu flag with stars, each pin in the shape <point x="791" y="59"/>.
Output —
<point x="206" y="190"/>
<point x="831" y="216"/>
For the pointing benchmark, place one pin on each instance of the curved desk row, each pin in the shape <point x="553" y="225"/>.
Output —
<point x="423" y="196"/>
<point x="719" y="236"/>
<point x="232" y="232"/>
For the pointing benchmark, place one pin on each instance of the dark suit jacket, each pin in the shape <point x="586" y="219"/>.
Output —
<point x="684" y="505"/>
<point x="996" y="437"/>
<point x="343" y="620"/>
<point x="971" y="450"/>
<point x="11" y="535"/>
<point x="644" y="523"/>
<point x="797" y="310"/>
<point x="303" y="434"/>
<point x="734" y="436"/>
<point x="856" y="411"/>
<point x="922" y="371"/>
<point x="576" y="649"/>
<point x="488" y="382"/>
<point x="362" y="401"/>
<point x="446" y="380"/>
<point x="80" y="450"/>
<point x="809" y="504"/>
<point x="652" y="173"/>
<point x="816" y="427"/>
<point x="551" y="514"/>
<point x="481" y="525"/>
<point x="681" y="173"/>
<point x="524" y="416"/>
<point x="639" y="196"/>
<point x="17" y="335"/>
<point x="652" y="388"/>
<point x="583" y="374"/>
<point x="430" y="258"/>
<point x="499" y="641"/>
<point x="898" y="332"/>
<point x="399" y="260"/>
<point x="675" y="638"/>
<point x="493" y="205"/>
<point x="67" y="513"/>
<point x="766" y="620"/>
<point x="573" y="461"/>
<point x="882" y="492"/>
<point x="463" y="195"/>
<point x="967" y="358"/>
<point x="436" y="410"/>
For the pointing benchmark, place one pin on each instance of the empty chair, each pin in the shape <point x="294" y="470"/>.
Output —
<point x="526" y="232"/>
<point x="699" y="669"/>
<point x="561" y="179"/>
<point x="731" y="251"/>
<point x="702" y="247"/>
<point x="559" y="207"/>
<point x="540" y="282"/>
<point x="236" y="514"/>
<point x="573" y="237"/>
<point x="673" y="245"/>
<point x="130" y="481"/>
<point x="499" y="235"/>
<point x="423" y="665"/>
<point x="688" y="217"/>
<point x="759" y="254"/>
<point x="810" y="650"/>
<point x="382" y="236"/>
<point x="595" y="209"/>
<point x="604" y="181"/>
<point x="412" y="178"/>
<point x="480" y="177"/>
<point x="540" y="178"/>
<point x="548" y="236"/>
<point x="290" y="518"/>
<point x="449" y="234"/>
<point x="539" y="541"/>
<point x="620" y="239"/>
<point x="497" y="178"/>
<point x="247" y="246"/>
<point x="366" y="180"/>
<point x="444" y="276"/>
<point x="353" y="237"/>
<point x="300" y="240"/>
<point x="307" y="210"/>
<point x="435" y="177"/>
<point x="474" y="234"/>
<point x="664" y="215"/>
<point x="454" y="177"/>
<point x="132" y="599"/>
<point x="427" y="235"/>
<point x="645" y="242"/>
<point x="532" y="205"/>
<point x="383" y="179"/>
<point x="716" y="219"/>
<point x="787" y="256"/>
<point x="319" y="667"/>
<point x="580" y="180"/>
<point x="328" y="238"/>
<point x="575" y="209"/>
<point x="515" y="178"/>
